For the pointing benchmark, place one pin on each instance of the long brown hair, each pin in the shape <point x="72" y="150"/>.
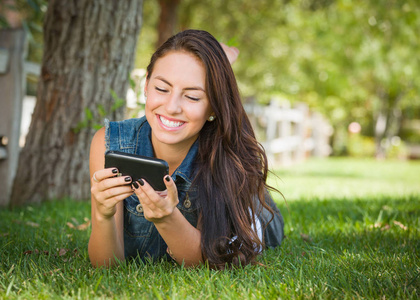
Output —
<point x="232" y="165"/>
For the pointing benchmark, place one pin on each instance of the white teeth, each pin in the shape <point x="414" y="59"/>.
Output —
<point x="170" y="123"/>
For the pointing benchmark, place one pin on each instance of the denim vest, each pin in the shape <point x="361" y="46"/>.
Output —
<point x="141" y="236"/>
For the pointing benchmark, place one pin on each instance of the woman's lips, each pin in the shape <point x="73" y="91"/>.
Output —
<point x="170" y="123"/>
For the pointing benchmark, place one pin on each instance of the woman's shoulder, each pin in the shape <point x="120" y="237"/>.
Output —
<point x="124" y="127"/>
<point x="123" y="134"/>
<point x="129" y="123"/>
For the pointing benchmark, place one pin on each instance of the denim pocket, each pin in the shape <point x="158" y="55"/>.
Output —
<point x="188" y="207"/>
<point x="135" y="224"/>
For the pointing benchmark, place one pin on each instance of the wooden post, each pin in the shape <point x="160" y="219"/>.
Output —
<point x="12" y="86"/>
<point x="270" y="132"/>
<point x="301" y="131"/>
<point x="321" y="132"/>
<point x="285" y="132"/>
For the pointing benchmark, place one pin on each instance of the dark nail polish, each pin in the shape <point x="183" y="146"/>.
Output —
<point x="141" y="182"/>
<point x="127" y="179"/>
<point x="167" y="178"/>
<point x="136" y="185"/>
<point x="115" y="171"/>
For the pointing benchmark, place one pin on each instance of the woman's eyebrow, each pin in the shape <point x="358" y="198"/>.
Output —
<point x="164" y="80"/>
<point x="193" y="88"/>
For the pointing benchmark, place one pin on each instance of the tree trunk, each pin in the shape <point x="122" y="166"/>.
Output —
<point x="89" y="48"/>
<point x="387" y="122"/>
<point x="167" y="20"/>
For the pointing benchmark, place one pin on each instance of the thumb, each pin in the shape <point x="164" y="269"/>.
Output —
<point x="170" y="186"/>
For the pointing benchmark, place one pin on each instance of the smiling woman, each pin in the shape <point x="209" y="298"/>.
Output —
<point x="216" y="207"/>
<point x="177" y="106"/>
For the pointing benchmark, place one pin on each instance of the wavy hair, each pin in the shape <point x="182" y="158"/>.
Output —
<point x="232" y="166"/>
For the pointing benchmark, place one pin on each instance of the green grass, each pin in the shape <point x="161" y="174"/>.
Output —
<point x="352" y="226"/>
<point x="348" y="178"/>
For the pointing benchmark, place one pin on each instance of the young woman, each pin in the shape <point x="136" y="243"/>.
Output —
<point x="216" y="207"/>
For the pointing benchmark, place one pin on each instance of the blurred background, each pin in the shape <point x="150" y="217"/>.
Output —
<point x="318" y="77"/>
<point x="355" y="62"/>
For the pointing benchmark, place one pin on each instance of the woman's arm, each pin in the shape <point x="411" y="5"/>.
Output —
<point x="183" y="239"/>
<point x="106" y="243"/>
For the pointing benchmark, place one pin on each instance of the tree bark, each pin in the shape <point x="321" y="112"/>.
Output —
<point x="89" y="48"/>
<point x="167" y="20"/>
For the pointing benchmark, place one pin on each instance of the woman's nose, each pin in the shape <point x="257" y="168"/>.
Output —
<point x="173" y="104"/>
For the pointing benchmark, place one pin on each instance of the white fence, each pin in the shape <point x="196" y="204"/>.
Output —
<point x="12" y="83"/>
<point x="290" y="135"/>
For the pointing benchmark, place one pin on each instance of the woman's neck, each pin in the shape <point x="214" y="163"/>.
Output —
<point x="172" y="154"/>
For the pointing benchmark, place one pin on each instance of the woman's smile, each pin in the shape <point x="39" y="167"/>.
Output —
<point x="170" y="123"/>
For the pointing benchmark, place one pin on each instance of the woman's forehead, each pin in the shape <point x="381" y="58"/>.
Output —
<point x="180" y="66"/>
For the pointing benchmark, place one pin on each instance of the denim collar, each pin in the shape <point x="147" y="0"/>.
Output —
<point x="183" y="174"/>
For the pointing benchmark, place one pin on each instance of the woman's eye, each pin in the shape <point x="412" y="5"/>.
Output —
<point x="193" y="98"/>
<point x="160" y="90"/>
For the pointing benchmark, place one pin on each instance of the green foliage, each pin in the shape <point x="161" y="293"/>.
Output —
<point x="3" y="22"/>
<point x="360" y="146"/>
<point x="148" y="35"/>
<point x="411" y="131"/>
<point x="352" y="60"/>
<point x="397" y="151"/>
<point x="341" y="244"/>
<point x="95" y="120"/>
<point x="118" y="102"/>
<point x="32" y="13"/>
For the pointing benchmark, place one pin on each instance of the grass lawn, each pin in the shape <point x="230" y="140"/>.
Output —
<point x="352" y="226"/>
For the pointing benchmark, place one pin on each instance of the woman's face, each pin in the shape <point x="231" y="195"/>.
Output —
<point x="177" y="106"/>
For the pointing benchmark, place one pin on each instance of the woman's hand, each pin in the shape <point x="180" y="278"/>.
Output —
<point x="157" y="205"/>
<point x="231" y="52"/>
<point x="107" y="190"/>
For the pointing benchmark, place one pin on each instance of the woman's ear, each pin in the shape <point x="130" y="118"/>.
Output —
<point x="211" y="117"/>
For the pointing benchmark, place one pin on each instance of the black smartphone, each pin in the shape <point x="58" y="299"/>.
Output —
<point x="153" y="170"/>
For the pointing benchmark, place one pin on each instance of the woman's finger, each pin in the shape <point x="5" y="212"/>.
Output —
<point x="139" y="188"/>
<point x="103" y="174"/>
<point x="116" y="191"/>
<point x="170" y="187"/>
<point x="148" y="191"/>
<point x="121" y="197"/>
<point x="108" y="183"/>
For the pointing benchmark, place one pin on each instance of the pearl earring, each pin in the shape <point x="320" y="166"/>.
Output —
<point x="211" y="118"/>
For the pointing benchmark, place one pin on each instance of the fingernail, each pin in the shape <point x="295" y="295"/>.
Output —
<point x="141" y="182"/>
<point x="167" y="178"/>
<point x="127" y="179"/>
<point x="115" y="171"/>
<point x="136" y="185"/>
